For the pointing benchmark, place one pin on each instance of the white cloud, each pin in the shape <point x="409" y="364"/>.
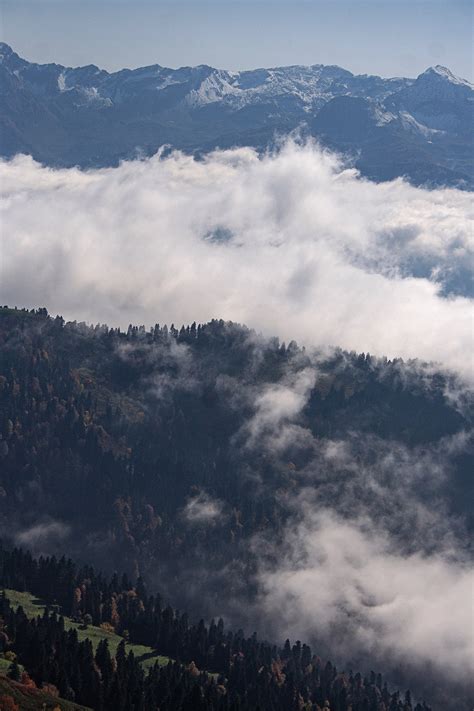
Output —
<point x="203" y="509"/>
<point x="290" y="243"/>
<point x="276" y="407"/>
<point x="344" y="582"/>
<point x="42" y="535"/>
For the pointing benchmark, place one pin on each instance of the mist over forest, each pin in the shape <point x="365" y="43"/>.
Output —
<point x="322" y="496"/>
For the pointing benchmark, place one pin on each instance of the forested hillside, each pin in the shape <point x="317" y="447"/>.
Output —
<point x="248" y="674"/>
<point x="185" y="458"/>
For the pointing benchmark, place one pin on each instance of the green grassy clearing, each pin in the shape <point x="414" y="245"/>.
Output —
<point x="5" y="666"/>
<point x="34" y="607"/>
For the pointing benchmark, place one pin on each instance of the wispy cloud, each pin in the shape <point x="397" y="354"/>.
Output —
<point x="45" y="536"/>
<point x="203" y="509"/>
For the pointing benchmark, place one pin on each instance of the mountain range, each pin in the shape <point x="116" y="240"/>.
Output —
<point x="416" y="128"/>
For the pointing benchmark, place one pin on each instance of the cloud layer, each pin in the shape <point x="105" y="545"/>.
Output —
<point x="289" y="243"/>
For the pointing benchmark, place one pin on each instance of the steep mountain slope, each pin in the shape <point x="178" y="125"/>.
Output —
<point x="86" y="116"/>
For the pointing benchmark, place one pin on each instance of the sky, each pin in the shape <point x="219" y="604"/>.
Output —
<point x="385" y="37"/>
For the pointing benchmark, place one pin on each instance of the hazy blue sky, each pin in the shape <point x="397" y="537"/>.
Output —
<point x="387" y="37"/>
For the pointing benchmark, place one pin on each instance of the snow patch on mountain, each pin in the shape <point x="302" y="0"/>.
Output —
<point x="167" y="81"/>
<point x="92" y="96"/>
<point x="62" y="82"/>
<point x="215" y="87"/>
<point x="447" y="75"/>
<point x="410" y="123"/>
<point x="382" y="117"/>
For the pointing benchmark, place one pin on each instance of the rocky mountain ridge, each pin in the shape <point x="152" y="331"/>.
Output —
<point x="419" y="128"/>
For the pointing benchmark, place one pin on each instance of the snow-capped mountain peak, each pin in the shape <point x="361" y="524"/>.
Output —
<point x="5" y="50"/>
<point x="439" y="72"/>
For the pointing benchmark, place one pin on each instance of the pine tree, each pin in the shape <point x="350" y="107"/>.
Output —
<point x="14" y="671"/>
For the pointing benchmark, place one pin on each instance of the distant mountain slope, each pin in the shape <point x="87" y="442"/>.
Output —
<point x="66" y="116"/>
